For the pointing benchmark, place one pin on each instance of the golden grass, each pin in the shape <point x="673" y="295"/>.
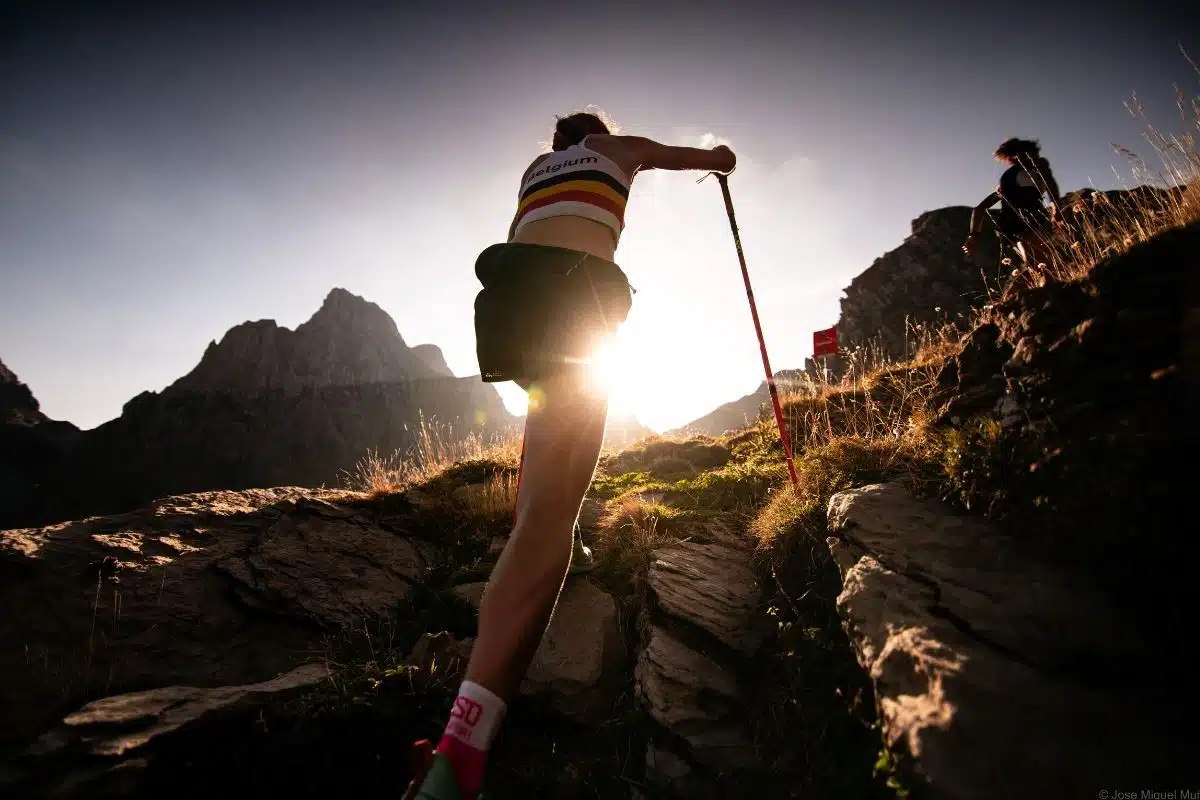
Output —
<point x="1164" y="198"/>
<point x="494" y="500"/>
<point x="634" y="511"/>
<point x="632" y="527"/>
<point x="1102" y="227"/>
<point x="436" y="449"/>
<point x="889" y="402"/>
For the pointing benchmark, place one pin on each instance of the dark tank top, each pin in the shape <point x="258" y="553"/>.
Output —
<point x="1021" y="200"/>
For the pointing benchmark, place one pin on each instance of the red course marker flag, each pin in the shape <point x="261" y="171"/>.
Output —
<point x="825" y="342"/>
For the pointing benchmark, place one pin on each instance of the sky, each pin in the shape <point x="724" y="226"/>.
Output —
<point x="167" y="173"/>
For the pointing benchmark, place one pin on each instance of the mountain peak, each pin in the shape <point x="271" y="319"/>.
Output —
<point x="349" y="341"/>
<point x="347" y="311"/>
<point x="339" y="298"/>
<point x="432" y="356"/>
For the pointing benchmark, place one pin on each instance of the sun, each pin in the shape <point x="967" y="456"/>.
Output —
<point x="604" y="366"/>
<point x="613" y="370"/>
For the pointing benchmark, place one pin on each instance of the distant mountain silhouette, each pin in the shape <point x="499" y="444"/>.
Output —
<point x="32" y="445"/>
<point x="624" y="430"/>
<point x="741" y="412"/>
<point x="269" y="406"/>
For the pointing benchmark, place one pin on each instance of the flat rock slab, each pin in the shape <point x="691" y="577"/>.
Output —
<point x="101" y="749"/>
<point x="695" y="698"/>
<point x="959" y="635"/>
<point x="713" y="587"/>
<point x="580" y="650"/>
<point x="326" y="565"/>
<point x="976" y="575"/>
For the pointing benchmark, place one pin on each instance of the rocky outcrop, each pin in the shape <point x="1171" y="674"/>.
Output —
<point x="252" y="639"/>
<point x="923" y="281"/>
<point x="18" y="406"/>
<point x="1073" y="409"/>
<point x="993" y="673"/>
<point x="701" y="626"/>
<point x="206" y="590"/>
<point x="1044" y="646"/>
<point x="32" y="446"/>
<point x="712" y="585"/>
<point x="928" y="280"/>
<point x="272" y="407"/>
<point x="106" y="748"/>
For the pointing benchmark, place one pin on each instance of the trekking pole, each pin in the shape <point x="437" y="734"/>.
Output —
<point x="762" y="344"/>
<point x="520" y="469"/>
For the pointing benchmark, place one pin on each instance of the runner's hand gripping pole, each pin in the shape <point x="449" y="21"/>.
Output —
<point x="762" y="345"/>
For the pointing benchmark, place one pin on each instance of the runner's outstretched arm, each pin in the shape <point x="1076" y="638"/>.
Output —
<point x="977" y="212"/>
<point x="650" y="154"/>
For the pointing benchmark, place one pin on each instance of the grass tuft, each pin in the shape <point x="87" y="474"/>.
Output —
<point x="437" y="450"/>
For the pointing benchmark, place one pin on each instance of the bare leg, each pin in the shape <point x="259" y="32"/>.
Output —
<point x="563" y="436"/>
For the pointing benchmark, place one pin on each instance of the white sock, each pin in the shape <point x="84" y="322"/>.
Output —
<point x="475" y="716"/>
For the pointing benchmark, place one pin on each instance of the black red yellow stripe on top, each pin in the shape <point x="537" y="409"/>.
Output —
<point x="575" y="182"/>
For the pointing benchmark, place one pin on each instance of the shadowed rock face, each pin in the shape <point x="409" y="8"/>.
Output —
<point x="1091" y="387"/>
<point x="579" y="653"/>
<point x="268" y="406"/>
<point x="106" y="748"/>
<point x="168" y="647"/>
<point x="928" y="280"/>
<point x="704" y="623"/>
<point x="1050" y="649"/>
<point x="985" y="662"/>
<point x="32" y="446"/>
<point x="17" y="403"/>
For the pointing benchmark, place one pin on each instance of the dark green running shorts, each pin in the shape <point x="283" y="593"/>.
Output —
<point x="543" y="309"/>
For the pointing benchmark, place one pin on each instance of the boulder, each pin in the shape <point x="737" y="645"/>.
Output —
<point x="713" y="587"/>
<point x="580" y="654"/>
<point x="694" y="698"/>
